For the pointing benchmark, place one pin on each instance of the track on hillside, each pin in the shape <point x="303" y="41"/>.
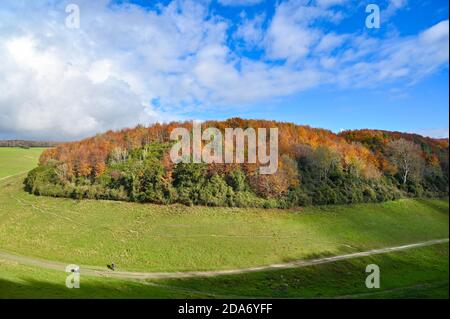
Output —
<point x="105" y="272"/>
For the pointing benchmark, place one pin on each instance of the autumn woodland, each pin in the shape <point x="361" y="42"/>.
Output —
<point x="315" y="166"/>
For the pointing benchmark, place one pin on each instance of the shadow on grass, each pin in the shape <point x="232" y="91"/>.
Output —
<point x="406" y="274"/>
<point x="435" y="205"/>
<point x="30" y="288"/>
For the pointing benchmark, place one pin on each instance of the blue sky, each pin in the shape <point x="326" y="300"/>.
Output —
<point x="310" y="62"/>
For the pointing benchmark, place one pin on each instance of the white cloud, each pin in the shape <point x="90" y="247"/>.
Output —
<point x="441" y="132"/>
<point x="397" y="3"/>
<point x="42" y="95"/>
<point x="239" y="2"/>
<point x="330" y="3"/>
<point x="291" y="34"/>
<point x="377" y="62"/>
<point x="330" y="41"/>
<point x="393" y="7"/>
<point x="78" y="82"/>
<point x="58" y="82"/>
<point x="251" y="31"/>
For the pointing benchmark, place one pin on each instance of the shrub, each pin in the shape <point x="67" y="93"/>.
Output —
<point x="215" y="192"/>
<point x="40" y="177"/>
<point x="237" y="180"/>
<point x="324" y="195"/>
<point x="247" y="199"/>
<point x="299" y="197"/>
<point x="152" y="186"/>
<point x="188" y="175"/>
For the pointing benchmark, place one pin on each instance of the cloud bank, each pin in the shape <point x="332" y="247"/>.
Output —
<point x="127" y="64"/>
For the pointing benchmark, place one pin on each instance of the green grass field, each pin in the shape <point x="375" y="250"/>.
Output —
<point x="14" y="160"/>
<point x="178" y="238"/>
<point x="418" y="273"/>
<point x="149" y="238"/>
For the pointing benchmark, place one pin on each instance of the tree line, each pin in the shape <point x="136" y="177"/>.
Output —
<point x="315" y="167"/>
<point x="26" y="144"/>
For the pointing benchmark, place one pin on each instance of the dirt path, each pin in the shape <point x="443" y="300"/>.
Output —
<point x="104" y="272"/>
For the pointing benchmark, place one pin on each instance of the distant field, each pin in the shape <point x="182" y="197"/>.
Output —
<point x="14" y="160"/>
<point x="145" y="237"/>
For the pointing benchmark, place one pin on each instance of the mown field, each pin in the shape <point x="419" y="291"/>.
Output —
<point x="148" y="238"/>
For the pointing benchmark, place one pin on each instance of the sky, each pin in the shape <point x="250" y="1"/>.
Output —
<point x="312" y="62"/>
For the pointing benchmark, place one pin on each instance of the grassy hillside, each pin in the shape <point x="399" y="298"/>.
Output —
<point x="177" y="238"/>
<point x="14" y="160"/>
<point x="168" y="238"/>
<point x="418" y="273"/>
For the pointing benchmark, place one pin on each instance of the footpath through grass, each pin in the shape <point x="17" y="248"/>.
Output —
<point x="416" y="273"/>
<point x="179" y="238"/>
